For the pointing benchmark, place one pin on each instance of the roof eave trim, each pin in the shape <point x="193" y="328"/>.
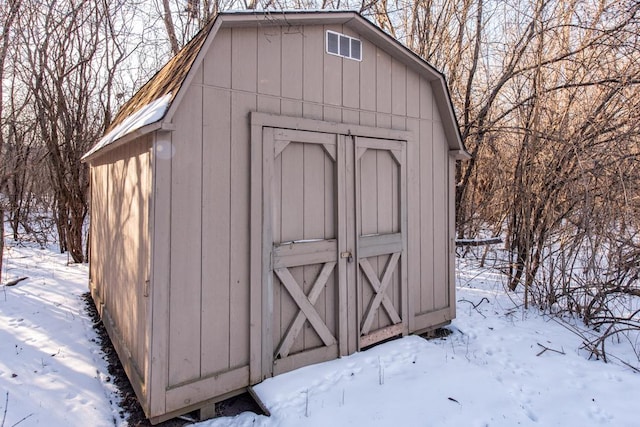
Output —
<point x="460" y="154"/>
<point x="448" y="116"/>
<point x="290" y="17"/>
<point x="126" y="139"/>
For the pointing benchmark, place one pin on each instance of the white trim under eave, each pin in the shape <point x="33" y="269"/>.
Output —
<point x="128" y="138"/>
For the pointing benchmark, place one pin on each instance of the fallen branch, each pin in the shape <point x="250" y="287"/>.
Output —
<point x="478" y="242"/>
<point x="15" y="281"/>
<point x="545" y="348"/>
<point x="475" y="306"/>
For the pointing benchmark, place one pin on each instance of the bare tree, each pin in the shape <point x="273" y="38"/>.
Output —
<point x="67" y="64"/>
<point x="184" y="18"/>
<point x="8" y="13"/>
<point x="19" y="158"/>
<point x="572" y="122"/>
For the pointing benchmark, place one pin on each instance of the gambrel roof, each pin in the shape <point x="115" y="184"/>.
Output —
<point x="153" y="106"/>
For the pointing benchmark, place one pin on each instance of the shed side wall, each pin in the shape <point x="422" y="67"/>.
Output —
<point x="120" y="252"/>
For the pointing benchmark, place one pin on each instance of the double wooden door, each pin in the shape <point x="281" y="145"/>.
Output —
<point x="334" y="239"/>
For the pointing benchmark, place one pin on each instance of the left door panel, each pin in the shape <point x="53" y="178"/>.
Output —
<point x="300" y="187"/>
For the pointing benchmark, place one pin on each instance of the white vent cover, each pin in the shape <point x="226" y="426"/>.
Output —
<point x="345" y="46"/>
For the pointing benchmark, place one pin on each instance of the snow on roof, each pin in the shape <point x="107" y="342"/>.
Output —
<point x="146" y="115"/>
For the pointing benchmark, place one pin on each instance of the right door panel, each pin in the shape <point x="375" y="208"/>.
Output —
<point x="380" y="229"/>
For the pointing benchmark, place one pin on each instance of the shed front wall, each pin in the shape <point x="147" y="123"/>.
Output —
<point x="206" y="224"/>
<point x="119" y="271"/>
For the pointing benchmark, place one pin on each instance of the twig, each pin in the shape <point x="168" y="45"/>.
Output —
<point x="6" y="405"/>
<point x="22" y="420"/>
<point x="627" y="364"/>
<point x="475" y="306"/>
<point x="545" y="348"/>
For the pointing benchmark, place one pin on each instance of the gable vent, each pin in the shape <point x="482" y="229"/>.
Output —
<point x="345" y="46"/>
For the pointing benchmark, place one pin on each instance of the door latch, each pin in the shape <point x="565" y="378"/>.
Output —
<point x="347" y="255"/>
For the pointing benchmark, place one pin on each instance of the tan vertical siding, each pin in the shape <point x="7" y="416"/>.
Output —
<point x="398" y="88"/>
<point x="99" y="216"/>
<point x="413" y="203"/>
<point x="426" y="217"/>
<point x="426" y="100"/>
<point x="243" y="59"/>
<point x="383" y="82"/>
<point x="216" y="236"/>
<point x="239" y="248"/>
<point x="329" y="301"/>
<point x="217" y="67"/>
<point x="217" y="323"/>
<point x="160" y="272"/>
<point x="331" y="81"/>
<point x="269" y="42"/>
<point x="292" y="71"/>
<point x="291" y="226"/>
<point x="413" y="94"/>
<point x="313" y="72"/>
<point x="186" y="240"/>
<point x="313" y="212"/>
<point x="292" y="63"/>
<point x="278" y="326"/>
<point x="141" y="195"/>
<point x="441" y="218"/>
<point x="269" y="60"/>
<point x="350" y="84"/>
<point x="120" y="251"/>
<point x="451" y="289"/>
<point x="368" y="89"/>
<point x="332" y="73"/>
<point x="383" y="89"/>
<point x="128" y="227"/>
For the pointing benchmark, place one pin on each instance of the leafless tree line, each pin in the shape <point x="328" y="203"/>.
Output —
<point x="66" y="66"/>
<point x="546" y="93"/>
<point x="547" y="96"/>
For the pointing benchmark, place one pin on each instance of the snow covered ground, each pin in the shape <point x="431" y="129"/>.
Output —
<point x="492" y="371"/>
<point x="51" y="370"/>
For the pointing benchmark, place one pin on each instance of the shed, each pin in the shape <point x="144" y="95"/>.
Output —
<point x="281" y="193"/>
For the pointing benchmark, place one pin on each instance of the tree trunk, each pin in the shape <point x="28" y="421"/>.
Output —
<point x="8" y="16"/>
<point x="1" y="240"/>
<point x="171" y="31"/>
